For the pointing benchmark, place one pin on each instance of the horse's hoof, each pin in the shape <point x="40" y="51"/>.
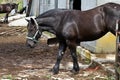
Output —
<point x="5" y="22"/>
<point x="74" y="71"/>
<point x="53" y="71"/>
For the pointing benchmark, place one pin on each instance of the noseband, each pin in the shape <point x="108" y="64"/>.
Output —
<point x="37" y="32"/>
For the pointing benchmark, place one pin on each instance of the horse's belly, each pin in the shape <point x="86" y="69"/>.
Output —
<point x="91" y="37"/>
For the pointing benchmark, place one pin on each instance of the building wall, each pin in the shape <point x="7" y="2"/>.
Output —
<point x="63" y="4"/>
<point x="40" y="6"/>
<point x="99" y="2"/>
<point x="88" y="4"/>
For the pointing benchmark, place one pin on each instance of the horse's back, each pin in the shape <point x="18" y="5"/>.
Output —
<point x="52" y="12"/>
<point x="74" y="23"/>
<point x="5" y="8"/>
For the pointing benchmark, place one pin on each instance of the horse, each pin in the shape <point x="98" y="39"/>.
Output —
<point x="7" y="8"/>
<point x="72" y="27"/>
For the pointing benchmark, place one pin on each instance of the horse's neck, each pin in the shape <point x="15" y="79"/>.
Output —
<point x="46" y="24"/>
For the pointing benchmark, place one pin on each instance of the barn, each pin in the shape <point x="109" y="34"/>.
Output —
<point x="105" y="44"/>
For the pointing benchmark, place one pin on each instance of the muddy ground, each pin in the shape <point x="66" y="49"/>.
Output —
<point x="18" y="62"/>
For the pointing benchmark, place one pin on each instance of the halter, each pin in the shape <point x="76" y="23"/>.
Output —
<point x="38" y="31"/>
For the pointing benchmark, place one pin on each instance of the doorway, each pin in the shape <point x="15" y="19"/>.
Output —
<point x="77" y="4"/>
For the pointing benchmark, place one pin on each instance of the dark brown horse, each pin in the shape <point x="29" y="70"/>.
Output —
<point x="72" y="27"/>
<point x="7" y="8"/>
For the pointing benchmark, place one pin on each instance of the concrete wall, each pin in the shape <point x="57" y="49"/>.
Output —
<point x="106" y="44"/>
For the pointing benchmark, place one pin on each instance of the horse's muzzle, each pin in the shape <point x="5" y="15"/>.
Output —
<point x="30" y="43"/>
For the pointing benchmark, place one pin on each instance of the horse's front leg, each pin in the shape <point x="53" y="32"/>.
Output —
<point x="62" y="48"/>
<point x="72" y="46"/>
<point x="6" y="18"/>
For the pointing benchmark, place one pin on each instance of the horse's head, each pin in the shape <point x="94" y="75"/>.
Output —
<point x="34" y="33"/>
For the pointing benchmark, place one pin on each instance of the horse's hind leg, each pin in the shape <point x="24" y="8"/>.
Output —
<point x="6" y="18"/>
<point x="72" y="46"/>
<point x="62" y="48"/>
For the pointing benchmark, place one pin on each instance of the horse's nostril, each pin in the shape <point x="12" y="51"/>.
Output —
<point x="30" y="44"/>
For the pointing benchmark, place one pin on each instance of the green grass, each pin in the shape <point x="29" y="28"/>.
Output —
<point x="1" y="1"/>
<point x="20" y="4"/>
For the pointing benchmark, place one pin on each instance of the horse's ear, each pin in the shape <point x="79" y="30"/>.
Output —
<point x="32" y="20"/>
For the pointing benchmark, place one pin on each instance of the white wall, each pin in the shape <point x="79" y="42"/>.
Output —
<point x="62" y="4"/>
<point x="88" y="4"/>
<point x="100" y="2"/>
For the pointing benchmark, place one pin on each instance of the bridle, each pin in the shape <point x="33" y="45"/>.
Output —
<point x="36" y="33"/>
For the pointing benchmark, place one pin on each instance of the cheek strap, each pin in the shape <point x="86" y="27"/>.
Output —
<point x="34" y="37"/>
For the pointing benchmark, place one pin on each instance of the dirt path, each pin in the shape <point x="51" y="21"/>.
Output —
<point x="17" y="62"/>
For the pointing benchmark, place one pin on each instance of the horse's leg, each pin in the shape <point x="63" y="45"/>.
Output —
<point x="72" y="46"/>
<point x="62" y="49"/>
<point x="6" y="18"/>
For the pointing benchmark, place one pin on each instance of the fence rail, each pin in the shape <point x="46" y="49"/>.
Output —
<point x="117" y="66"/>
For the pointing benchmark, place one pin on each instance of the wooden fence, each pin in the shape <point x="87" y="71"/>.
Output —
<point x="117" y="64"/>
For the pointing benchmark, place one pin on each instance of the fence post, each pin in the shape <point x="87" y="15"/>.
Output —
<point x="117" y="64"/>
<point x="56" y="4"/>
<point x="29" y="8"/>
